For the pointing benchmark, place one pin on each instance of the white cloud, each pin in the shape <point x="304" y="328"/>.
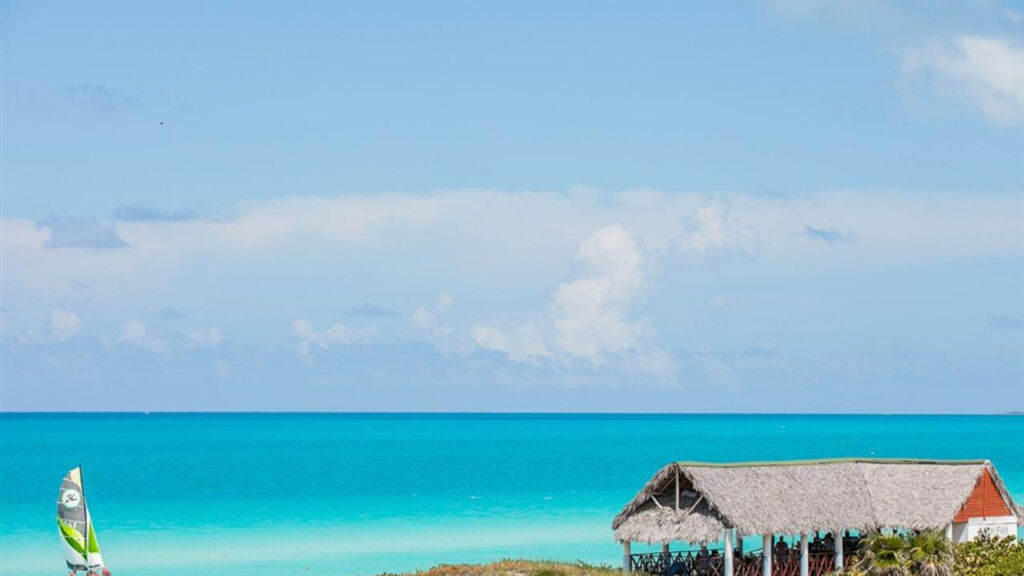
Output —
<point x="63" y="325"/>
<point x="590" y="319"/>
<point x="335" y="335"/>
<point x="590" y="315"/>
<point x="208" y="338"/>
<point x="511" y="236"/>
<point x="987" y="72"/>
<point x="504" y="254"/>
<point x="428" y="322"/>
<point x="425" y="318"/>
<point x="713" y="233"/>
<point x="522" y="343"/>
<point x="134" y="332"/>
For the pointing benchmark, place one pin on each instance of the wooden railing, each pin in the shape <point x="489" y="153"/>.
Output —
<point x="690" y="564"/>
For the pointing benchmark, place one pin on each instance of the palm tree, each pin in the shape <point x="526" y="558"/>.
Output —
<point x="883" y="555"/>
<point x="930" y="554"/>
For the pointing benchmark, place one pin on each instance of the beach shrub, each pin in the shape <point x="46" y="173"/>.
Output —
<point x="930" y="554"/>
<point x="602" y="567"/>
<point x="987" y="556"/>
<point x="883" y="555"/>
<point x="926" y="553"/>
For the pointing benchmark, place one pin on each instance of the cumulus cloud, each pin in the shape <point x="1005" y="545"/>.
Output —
<point x="207" y="338"/>
<point x="986" y="72"/>
<point x="73" y="233"/>
<point x="335" y="335"/>
<point x="425" y="318"/>
<point x="712" y="233"/>
<point x="591" y="318"/>
<point x="136" y="333"/>
<point x="590" y="315"/>
<point x="521" y="343"/>
<point x="63" y="325"/>
<point x="428" y="321"/>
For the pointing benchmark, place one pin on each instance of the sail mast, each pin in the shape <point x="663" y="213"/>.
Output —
<point x="85" y="508"/>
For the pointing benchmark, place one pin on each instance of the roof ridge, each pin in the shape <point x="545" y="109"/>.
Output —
<point x="817" y="461"/>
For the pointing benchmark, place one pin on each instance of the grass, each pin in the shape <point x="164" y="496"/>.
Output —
<point x="516" y="568"/>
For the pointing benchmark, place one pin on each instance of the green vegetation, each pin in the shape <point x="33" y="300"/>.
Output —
<point x="923" y="554"/>
<point x="884" y="555"/>
<point x="930" y="554"/>
<point x="519" y="568"/>
<point x="989" y="557"/>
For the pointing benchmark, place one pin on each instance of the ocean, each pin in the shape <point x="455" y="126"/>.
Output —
<point x="348" y="494"/>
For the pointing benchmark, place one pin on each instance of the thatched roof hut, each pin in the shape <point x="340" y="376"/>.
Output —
<point x="694" y="501"/>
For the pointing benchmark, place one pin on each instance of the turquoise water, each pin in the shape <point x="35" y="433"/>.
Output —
<point x="206" y="494"/>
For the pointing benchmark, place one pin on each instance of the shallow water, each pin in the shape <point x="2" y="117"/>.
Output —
<point x="360" y="494"/>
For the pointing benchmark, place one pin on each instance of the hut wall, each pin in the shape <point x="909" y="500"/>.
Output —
<point x="984" y="502"/>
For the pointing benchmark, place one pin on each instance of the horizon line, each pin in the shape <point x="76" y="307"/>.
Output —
<point x="501" y="412"/>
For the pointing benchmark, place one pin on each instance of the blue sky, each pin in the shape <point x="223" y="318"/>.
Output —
<point x="667" y="206"/>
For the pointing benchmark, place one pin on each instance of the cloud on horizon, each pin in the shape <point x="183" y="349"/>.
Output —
<point x="585" y="288"/>
<point x="136" y="333"/>
<point x="74" y="233"/>
<point x="713" y="234"/>
<point x="591" y="318"/>
<point x="310" y="340"/>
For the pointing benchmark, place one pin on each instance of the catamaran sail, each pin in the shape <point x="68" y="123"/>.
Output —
<point x="77" y="536"/>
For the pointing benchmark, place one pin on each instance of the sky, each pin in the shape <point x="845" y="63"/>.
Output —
<point x="780" y="206"/>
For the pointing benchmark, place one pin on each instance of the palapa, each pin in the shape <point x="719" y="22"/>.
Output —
<point x="800" y="497"/>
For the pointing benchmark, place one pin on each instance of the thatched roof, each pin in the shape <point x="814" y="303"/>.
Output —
<point x="800" y="496"/>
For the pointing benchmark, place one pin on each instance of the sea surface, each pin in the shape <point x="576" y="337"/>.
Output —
<point x="346" y="494"/>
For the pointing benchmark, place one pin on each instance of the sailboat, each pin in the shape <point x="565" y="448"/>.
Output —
<point x="77" y="536"/>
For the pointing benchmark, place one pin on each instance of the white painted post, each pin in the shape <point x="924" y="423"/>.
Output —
<point x="627" y="559"/>
<point x="728" y="553"/>
<point x="803" y="555"/>
<point x="949" y="531"/>
<point x="837" y="539"/>
<point x="766" y="555"/>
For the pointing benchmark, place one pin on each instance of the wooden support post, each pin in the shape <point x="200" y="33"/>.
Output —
<point x="766" y="555"/>
<point x="627" y="558"/>
<point x="677" y="489"/>
<point x="803" y="555"/>
<point x="728" y="553"/>
<point x="837" y="538"/>
<point x="664" y="548"/>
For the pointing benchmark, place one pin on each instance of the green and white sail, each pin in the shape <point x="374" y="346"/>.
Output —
<point x="77" y="536"/>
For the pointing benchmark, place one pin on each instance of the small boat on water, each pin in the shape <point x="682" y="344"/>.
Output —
<point x="77" y="535"/>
